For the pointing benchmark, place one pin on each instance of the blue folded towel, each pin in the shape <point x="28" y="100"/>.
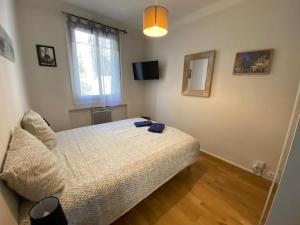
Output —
<point x="146" y="123"/>
<point x="157" y="128"/>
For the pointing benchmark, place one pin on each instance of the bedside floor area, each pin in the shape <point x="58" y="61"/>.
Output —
<point x="212" y="192"/>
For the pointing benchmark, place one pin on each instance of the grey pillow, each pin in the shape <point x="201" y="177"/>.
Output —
<point x="36" y="125"/>
<point x="30" y="168"/>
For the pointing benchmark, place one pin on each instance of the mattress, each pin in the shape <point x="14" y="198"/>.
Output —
<point x="113" y="166"/>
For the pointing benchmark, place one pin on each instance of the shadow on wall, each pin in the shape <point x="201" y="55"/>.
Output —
<point x="6" y="196"/>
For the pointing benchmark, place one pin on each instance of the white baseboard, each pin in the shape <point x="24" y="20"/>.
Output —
<point x="234" y="164"/>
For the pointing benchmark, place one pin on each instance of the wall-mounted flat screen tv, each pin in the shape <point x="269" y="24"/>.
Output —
<point x="146" y="70"/>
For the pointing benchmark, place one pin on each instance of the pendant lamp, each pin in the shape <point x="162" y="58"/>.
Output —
<point x="155" y="21"/>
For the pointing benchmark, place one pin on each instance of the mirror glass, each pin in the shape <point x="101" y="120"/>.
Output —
<point x="197" y="74"/>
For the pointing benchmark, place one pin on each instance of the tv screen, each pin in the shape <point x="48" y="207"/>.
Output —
<point x="146" y="70"/>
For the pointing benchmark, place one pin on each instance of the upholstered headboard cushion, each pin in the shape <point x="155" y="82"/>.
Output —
<point x="30" y="168"/>
<point x="36" y="125"/>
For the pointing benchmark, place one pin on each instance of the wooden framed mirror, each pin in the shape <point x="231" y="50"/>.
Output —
<point x="198" y="73"/>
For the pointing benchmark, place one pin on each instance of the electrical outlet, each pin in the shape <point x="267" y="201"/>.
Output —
<point x="270" y="174"/>
<point x="259" y="168"/>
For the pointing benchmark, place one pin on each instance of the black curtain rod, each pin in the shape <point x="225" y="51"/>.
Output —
<point x="124" y="31"/>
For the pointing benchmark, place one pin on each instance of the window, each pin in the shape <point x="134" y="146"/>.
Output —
<point x="95" y="64"/>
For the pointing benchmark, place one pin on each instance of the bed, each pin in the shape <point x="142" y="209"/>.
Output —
<point x="113" y="166"/>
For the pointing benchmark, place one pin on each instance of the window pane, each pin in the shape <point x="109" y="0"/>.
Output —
<point x="106" y="83"/>
<point x="104" y="44"/>
<point x="105" y="53"/>
<point x="85" y="46"/>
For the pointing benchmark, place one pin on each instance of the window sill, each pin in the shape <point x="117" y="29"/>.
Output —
<point x="92" y="107"/>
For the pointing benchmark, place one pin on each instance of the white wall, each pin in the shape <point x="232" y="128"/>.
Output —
<point x="41" y="22"/>
<point x="246" y="117"/>
<point x="12" y="105"/>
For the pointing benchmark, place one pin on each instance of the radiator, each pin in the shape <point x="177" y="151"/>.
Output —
<point x="100" y="115"/>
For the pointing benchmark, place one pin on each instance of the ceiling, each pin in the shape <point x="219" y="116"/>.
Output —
<point x="130" y="12"/>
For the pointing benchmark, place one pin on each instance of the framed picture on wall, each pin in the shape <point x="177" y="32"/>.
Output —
<point x="46" y="55"/>
<point x="253" y="62"/>
<point x="6" y="45"/>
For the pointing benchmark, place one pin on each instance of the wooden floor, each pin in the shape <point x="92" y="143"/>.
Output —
<point x="211" y="193"/>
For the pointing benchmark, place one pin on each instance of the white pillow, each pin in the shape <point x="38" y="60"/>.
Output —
<point x="30" y="168"/>
<point x="36" y="125"/>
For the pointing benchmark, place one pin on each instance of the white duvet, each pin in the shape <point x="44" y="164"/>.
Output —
<point x="111" y="167"/>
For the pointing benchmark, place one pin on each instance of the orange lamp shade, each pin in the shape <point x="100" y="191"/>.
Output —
<point x="155" y="21"/>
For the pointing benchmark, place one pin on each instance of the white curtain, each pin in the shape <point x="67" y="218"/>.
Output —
<point x="95" y="60"/>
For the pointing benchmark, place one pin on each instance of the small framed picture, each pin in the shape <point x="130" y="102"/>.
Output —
<point x="6" y="45"/>
<point x="46" y="55"/>
<point x="253" y="62"/>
